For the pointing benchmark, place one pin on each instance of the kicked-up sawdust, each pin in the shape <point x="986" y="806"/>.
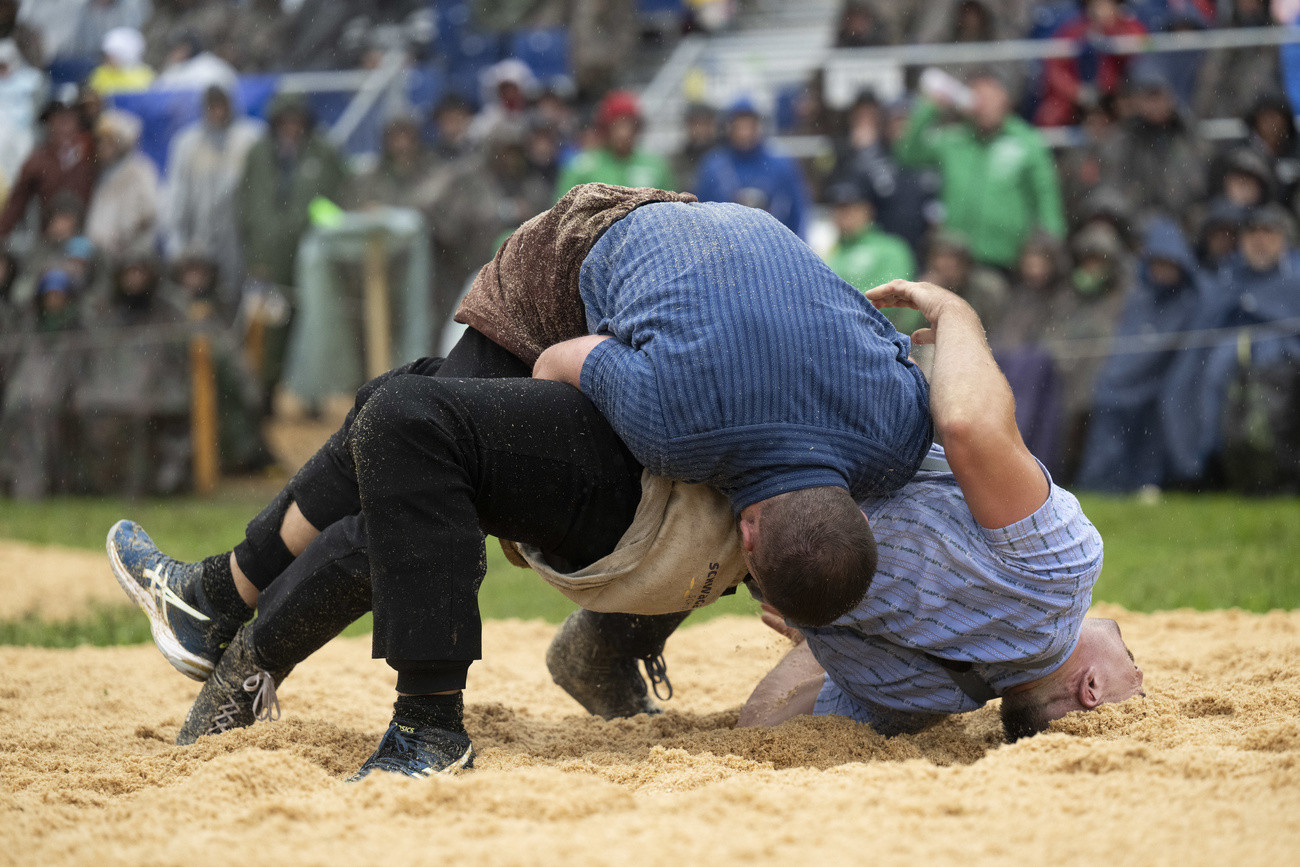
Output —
<point x="1205" y="770"/>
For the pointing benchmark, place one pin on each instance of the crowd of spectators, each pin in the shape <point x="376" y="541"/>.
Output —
<point x="1101" y="270"/>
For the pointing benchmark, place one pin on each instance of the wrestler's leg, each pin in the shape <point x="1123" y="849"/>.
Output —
<point x="440" y="462"/>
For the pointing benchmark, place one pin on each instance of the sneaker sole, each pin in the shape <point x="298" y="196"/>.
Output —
<point x="189" y="664"/>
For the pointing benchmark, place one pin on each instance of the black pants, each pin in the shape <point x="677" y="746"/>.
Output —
<point x="433" y="464"/>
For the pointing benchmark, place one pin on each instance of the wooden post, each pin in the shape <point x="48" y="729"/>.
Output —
<point x="379" y="352"/>
<point x="203" y="415"/>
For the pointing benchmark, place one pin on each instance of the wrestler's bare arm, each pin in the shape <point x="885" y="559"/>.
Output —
<point x="788" y="690"/>
<point x="973" y="409"/>
<point x="563" y="361"/>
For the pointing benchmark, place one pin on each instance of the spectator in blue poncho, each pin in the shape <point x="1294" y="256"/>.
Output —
<point x="747" y="171"/>
<point x="1125" y="448"/>
<point x="1260" y="285"/>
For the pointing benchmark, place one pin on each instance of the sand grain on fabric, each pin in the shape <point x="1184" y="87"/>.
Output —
<point x="1204" y="771"/>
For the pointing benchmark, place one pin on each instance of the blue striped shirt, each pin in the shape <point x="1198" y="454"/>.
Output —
<point x="949" y="587"/>
<point x="742" y="361"/>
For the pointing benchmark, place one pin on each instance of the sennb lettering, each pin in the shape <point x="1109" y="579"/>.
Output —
<point x="707" y="586"/>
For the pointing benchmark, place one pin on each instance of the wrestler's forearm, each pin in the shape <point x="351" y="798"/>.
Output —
<point x="563" y="361"/>
<point x="972" y="406"/>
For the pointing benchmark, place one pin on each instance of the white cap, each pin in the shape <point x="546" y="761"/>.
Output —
<point x="124" y="46"/>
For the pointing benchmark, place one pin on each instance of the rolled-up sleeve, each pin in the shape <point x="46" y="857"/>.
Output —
<point x="622" y="383"/>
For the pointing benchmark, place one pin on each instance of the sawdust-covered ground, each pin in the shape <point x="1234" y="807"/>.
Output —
<point x="1206" y="770"/>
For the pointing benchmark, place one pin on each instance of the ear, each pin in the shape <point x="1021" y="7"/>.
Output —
<point x="1090" y="689"/>
<point x="748" y="532"/>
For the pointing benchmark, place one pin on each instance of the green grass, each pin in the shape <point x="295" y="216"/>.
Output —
<point x="191" y="528"/>
<point x="1204" y="551"/>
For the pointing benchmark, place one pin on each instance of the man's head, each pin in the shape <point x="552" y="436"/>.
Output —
<point x="452" y="118"/>
<point x="853" y="209"/>
<point x="216" y="107"/>
<point x="1153" y="98"/>
<point x="949" y="260"/>
<point x="618" y="119"/>
<point x="990" y="100"/>
<point x="1099" y="671"/>
<point x="116" y="135"/>
<point x="1265" y="237"/>
<point x="744" y="125"/>
<point x="811" y="552"/>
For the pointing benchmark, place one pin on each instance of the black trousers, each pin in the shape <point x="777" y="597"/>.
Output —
<point x="433" y="462"/>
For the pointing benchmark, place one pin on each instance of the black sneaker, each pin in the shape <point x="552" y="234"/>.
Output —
<point x="600" y="678"/>
<point x="239" y="692"/>
<point x="190" y="634"/>
<point x="418" y="752"/>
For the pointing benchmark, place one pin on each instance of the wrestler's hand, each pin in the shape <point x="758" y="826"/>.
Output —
<point x="774" y="620"/>
<point x="563" y="361"/>
<point x="931" y="300"/>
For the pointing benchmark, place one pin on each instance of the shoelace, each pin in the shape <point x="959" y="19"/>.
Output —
<point x="266" y="705"/>
<point x="408" y="756"/>
<point x="657" y="670"/>
<point x="224" y="719"/>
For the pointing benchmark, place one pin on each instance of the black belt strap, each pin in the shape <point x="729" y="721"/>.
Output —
<point x="967" y="681"/>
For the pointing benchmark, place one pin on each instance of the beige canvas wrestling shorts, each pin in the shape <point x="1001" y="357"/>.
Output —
<point x="680" y="553"/>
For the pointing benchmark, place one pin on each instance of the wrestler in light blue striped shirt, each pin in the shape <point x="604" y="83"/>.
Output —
<point x="948" y="587"/>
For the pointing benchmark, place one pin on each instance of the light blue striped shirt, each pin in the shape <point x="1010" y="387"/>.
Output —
<point x="951" y="588"/>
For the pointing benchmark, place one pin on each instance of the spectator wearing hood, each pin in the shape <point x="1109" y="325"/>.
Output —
<point x="1089" y="314"/>
<point x="189" y="65"/>
<point x="204" y="167"/>
<point x="999" y="182"/>
<point x="1080" y="166"/>
<point x="701" y="125"/>
<point x="1244" y="178"/>
<point x="452" y="117"/>
<point x="22" y="89"/>
<point x="1234" y="77"/>
<point x="283" y="172"/>
<point x="904" y="198"/>
<point x="36" y="427"/>
<point x="864" y="255"/>
<point x="1272" y="134"/>
<point x="1071" y="82"/>
<point x="132" y="401"/>
<point x="1220" y="230"/>
<point x="123" y="216"/>
<point x="401" y="177"/>
<point x="1157" y="159"/>
<point x="123" y="69"/>
<point x="1260" y="285"/>
<point x="951" y="264"/>
<point x="61" y="225"/>
<point x="745" y="169"/>
<point x="506" y="92"/>
<point x="1042" y="277"/>
<point x="480" y="200"/>
<point x="1125" y="447"/>
<point x="617" y="159"/>
<point x="861" y="26"/>
<point x="63" y="163"/>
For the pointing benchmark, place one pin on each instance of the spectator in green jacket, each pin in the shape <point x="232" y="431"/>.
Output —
<point x="999" y="180"/>
<point x="617" y="160"/>
<point x="865" y="255"/>
<point x="283" y="173"/>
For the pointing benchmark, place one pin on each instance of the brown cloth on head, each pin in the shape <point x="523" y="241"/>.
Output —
<point x="526" y="298"/>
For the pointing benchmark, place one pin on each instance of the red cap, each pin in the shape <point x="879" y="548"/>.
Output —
<point x="617" y="104"/>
